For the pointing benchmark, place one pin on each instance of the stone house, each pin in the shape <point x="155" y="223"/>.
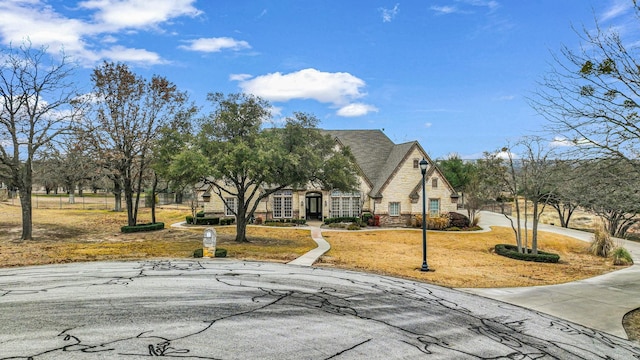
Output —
<point x="390" y="186"/>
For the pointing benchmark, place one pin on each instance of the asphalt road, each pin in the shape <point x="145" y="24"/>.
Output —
<point x="223" y="309"/>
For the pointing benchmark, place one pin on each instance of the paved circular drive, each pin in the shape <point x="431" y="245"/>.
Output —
<point x="247" y="310"/>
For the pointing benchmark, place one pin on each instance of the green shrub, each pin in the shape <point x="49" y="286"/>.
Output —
<point x="220" y="252"/>
<point x="227" y="221"/>
<point x="142" y="227"/>
<point x="511" y="251"/>
<point x="210" y="220"/>
<point x="366" y="217"/>
<point x="278" y="224"/>
<point x="200" y="213"/>
<point x="353" y="227"/>
<point x="602" y="245"/>
<point x="285" y="222"/>
<point x="328" y="221"/>
<point x="207" y="221"/>
<point x="621" y="256"/>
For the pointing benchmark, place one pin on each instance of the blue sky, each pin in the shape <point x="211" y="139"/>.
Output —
<point x="452" y="74"/>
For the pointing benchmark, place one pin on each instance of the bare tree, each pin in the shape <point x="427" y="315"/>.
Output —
<point x="129" y="111"/>
<point x="38" y="103"/>
<point x="590" y="96"/>
<point x="610" y="190"/>
<point x="537" y="181"/>
<point x="565" y="175"/>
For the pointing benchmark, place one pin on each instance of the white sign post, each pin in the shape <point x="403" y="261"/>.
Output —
<point x="209" y="243"/>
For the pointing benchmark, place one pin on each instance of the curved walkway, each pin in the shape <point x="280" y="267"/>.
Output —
<point x="599" y="302"/>
<point x="312" y="256"/>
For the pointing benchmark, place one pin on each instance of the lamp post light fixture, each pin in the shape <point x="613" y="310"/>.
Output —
<point x="423" y="170"/>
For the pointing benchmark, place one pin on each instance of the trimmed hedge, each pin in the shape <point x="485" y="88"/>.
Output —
<point x="203" y="220"/>
<point x="275" y="222"/>
<point x="511" y="251"/>
<point x="227" y="221"/>
<point x="334" y="220"/>
<point x="142" y="227"/>
<point x="210" y="220"/>
<point x="200" y="214"/>
<point x="220" y="253"/>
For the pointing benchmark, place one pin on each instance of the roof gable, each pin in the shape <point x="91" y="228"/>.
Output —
<point x="370" y="148"/>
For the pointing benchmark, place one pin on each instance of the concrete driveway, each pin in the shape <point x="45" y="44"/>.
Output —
<point x="222" y="309"/>
<point x="599" y="303"/>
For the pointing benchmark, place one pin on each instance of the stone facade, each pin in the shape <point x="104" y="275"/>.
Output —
<point x="390" y="186"/>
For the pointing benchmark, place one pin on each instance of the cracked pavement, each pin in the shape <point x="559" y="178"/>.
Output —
<point x="223" y="309"/>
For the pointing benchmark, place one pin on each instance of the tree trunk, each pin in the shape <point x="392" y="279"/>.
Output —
<point x="154" y="187"/>
<point x="72" y="198"/>
<point x="518" y="231"/>
<point x="27" y="214"/>
<point x="117" y="192"/>
<point x="128" y="198"/>
<point x="241" y="220"/>
<point x="25" y="180"/>
<point x="536" y="220"/>
<point x="241" y="229"/>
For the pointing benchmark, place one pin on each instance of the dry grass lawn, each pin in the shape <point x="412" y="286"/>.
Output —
<point x="78" y="235"/>
<point x="461" y="259"/>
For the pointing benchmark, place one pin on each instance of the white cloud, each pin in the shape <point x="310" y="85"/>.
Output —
<point x="619" y="7"/>
<point x="121" y="14"/>
<point x="356" y="109"/>
<point x="564" y="142"/>
<point x="141" y="56"/>
<point x="466" y="7"/>
<point x="389" y="14"/>
<point x="276" y="111"/>
<point x="239" y="77"/>
<point x="216" y="44"/>
<point x="489" y="4"/>
<point x="428" y="125"/>
<point x="38" y="21"/>
<point x="505" y="155"/>
<point x="445" y="10"/>
<point x="339" y="89"/>
<point x="336" y="88"/>
<point x="40" y="24"/>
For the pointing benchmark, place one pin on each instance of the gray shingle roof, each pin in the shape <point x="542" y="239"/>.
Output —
<point x="375" y="153"/>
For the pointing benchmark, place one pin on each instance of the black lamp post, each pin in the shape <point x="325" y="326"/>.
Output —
<point x="423" y="170"/>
